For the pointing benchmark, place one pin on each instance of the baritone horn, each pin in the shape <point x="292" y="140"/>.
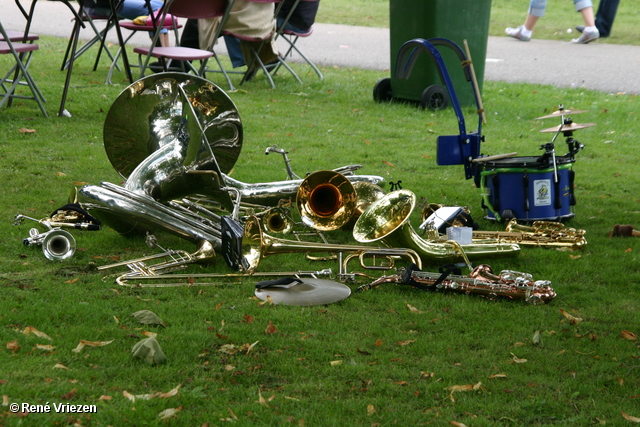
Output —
<point x="387" y="221"/>
<point x="256" y="245"/>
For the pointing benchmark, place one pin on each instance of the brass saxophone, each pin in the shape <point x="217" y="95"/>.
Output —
<point x="539" y="233"/>
<point x="481" y="281"/>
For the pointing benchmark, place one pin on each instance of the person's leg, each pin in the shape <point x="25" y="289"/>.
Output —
<point x="523" y="32"/>
<point x="605" y="16"/>
<point x="131" y="9"/>
<point x="234" y="50"/>
<point x="590" y="32"/>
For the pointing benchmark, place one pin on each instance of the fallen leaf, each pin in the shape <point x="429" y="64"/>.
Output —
<point x="271" y="329"/>
<point x="516" y="359"/>
<point x="104" y="397"/>
<point x="335" y="362"/>
<point x="128" y="395"/>
<point x="170" y="393"/>
<point x="572" y="319"/>
<point x="69" y="395"/>
<point x="575" y="256"/>
<point x="150" y="334"/>
<point x="30" y="330"/>
<point x="169" y="413"/>
<point x="388" y="163"/>
<point x="44" y="347"/>
<point x="233" y="415"/>
<point x="627" y="335"/>
<point x="630" y="418"/>
<point x="378" y="342"/>
<point x="413" y="309"/>
<point x="13" y="346"/>
<point x="406" y="342"/>
<point x="5" y="400"/>
<point x="84" y="343"/>
<point x="24" y="130"/>
<point x="628" y="250"/>
<point x="60" y="366"/>
<point x="147" y="317"/>
<point x="427" y="374"/>
<point x="248" y="319"/>
<point x="457" y="424"/>
<point x="466" y="387"/>
<point x="371" y="410"/>
<point x="536" y="340"/>
<point x="261" y="400"/>
<point x="498" y="376"/>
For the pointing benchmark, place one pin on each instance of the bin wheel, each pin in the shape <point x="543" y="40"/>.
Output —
<point x="507" y="215"/>
<point x="434" y="97"/>
<point x="382" y="90"/>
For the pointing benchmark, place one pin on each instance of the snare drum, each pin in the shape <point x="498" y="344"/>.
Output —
<point x="526" y="188"/>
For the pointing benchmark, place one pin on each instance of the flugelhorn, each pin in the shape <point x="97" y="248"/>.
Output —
<point x="256" y="245"/>
<point x="57" y="244"/>
<point x="387" y="221"/>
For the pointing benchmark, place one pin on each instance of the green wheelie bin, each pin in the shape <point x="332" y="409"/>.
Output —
<point x="456" y="20"/>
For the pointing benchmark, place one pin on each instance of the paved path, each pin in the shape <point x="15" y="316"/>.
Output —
<point x="598" y="66"/>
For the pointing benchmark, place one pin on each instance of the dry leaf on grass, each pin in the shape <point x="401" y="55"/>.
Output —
<point x="5" y="400"/>
<point x="406" y="342"/>
<point x="271" y="329"/>
<point x="628" y="335"/>
<point x="60" y="366"/>
<point x="457" y="424"/>
<point x="413" y="309"/>
<point x="371" y="409"/>
<point x="335" y="362"/>
<point x="630" y="418"/>
<point x="30" y="330"/>
<point x="261" y="400"/>
<point x="516" y="359"/>
<point x="572" y="319"/>
<point x="104" y="397"/>
<point x="13" y="346"/>
<point x="84" y="343"/>
<point x="169" y="413"/>
<point x="147" y="317"/>
<point x="25" y="130"/>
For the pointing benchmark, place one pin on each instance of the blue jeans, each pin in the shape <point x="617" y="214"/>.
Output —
<point x="235" y="51"/>
<point x="130" y="9"/>
<point x="537" y="7"/>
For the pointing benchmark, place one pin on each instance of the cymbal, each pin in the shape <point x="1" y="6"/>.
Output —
<point x="558" y="113"/>
<point x="568" y="128"/>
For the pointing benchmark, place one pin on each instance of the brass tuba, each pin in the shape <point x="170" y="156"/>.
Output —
<point x="387" y="221"/>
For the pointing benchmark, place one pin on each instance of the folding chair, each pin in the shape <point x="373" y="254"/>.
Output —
<point x="99" y="36"/>
<point x="291" y="37"/>
<point x="18" y="74"/>
<point x="171" y="24"/>
<point x="251" y="69"/>
<point x="190" y="9"/>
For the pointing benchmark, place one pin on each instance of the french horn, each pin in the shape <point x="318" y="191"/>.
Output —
<point x="387" y="221"/>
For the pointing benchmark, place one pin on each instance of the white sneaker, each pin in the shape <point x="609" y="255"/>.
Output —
<point x="587" y="37"/>
<point x="517" y="33"/>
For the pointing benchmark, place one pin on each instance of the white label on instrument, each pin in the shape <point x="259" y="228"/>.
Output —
<point x="542" y="192"/>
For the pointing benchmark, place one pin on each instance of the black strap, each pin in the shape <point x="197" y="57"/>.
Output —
<point x="445" y="271"/>
<point x="277" y="282"/>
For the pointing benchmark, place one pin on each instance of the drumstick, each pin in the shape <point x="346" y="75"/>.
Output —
<point x="476" y="88"/>
<point x="491" y="158"/>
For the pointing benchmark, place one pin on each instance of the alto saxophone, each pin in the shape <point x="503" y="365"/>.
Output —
<point x="481" y="281"/>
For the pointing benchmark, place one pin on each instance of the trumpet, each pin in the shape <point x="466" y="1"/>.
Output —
<point x="256" y="245"/>
<point x="171" y="260"/>
<point x="57" y="244"/>
<point x="387" y="221"/>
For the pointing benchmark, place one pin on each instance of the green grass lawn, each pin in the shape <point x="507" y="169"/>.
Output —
<point x="391" y="356"/>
